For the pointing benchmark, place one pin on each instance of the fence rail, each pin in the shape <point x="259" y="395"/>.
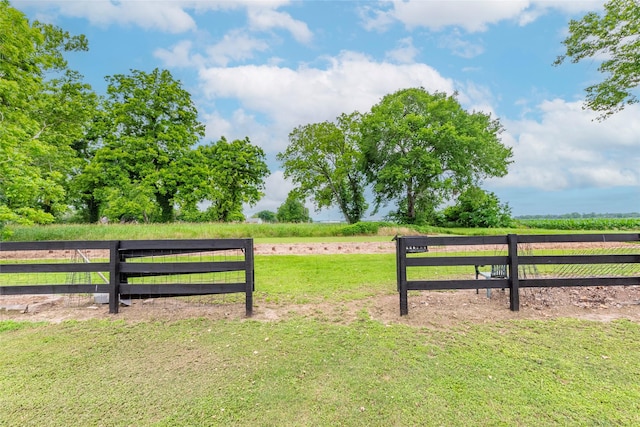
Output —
<point x="132" y="262"/>
<point x="407" y="260"/>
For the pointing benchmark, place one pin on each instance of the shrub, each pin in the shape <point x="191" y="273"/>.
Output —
<point x="361" y="228"/>
<point x="478" y="208"/>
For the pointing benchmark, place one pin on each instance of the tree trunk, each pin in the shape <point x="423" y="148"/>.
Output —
<point x="93" y="210"/>
<point x="411" y="205"/>
<point x="166" y="207"/>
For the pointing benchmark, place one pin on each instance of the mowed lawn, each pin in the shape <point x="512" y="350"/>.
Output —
<point x="307" y="372"/>
<point x="314" y="371"/>
<point x="315" y="278"/>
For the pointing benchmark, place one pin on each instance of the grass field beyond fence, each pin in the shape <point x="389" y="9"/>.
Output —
<point x="297" y="232"/>
<point x="306" y="372"/>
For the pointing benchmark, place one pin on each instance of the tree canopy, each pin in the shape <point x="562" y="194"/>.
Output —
<point x="324" y="161"/>
<point x="44" y="107"/>
<point x="150" y="124"/>
<point x="228" y="174"/>
<point x="266" y="216"/>
<point x="293" y="209"/>
<point x="613" y="39"/>
<point x="476" y="207"/>
<point x="422" y="148"/>
<point x="133" y="154"/>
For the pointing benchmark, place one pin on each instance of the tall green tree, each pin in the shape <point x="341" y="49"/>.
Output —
<point x="64" y="114"/>
<point x="43" y="109"/>
<point x="421" y="148"/>
<point x="293" y="209"/>
<point x="227" y="174"/>
<point x="87" y="183"/>
<point x="152" y="124"/>
<point x="613" y="39"/>
<point x="324" y="161"/>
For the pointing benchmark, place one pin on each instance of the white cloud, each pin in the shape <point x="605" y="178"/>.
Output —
<point x="470" y="15"/>
<point x="475" y="97"/>
<point x="569" y="6"/>
<point x="276" y="191"/>
<point x="237" y="125"/>
<point x="373" y="19"/>
<point x="172" y="16"/>
<point x="179" y="55"/>
<point x="236" y="45"/>
<point x="405" y="53"/>
<point x="217" y="126"/>
<point x="277" y="188"/>
<point x="263" y="19"/>
<point x="176" y="16"/>
<point x="289" y="97"/>
<point x="566" y="149"/>
<point x="459" y="46"/>
<point x="164" y="16"/>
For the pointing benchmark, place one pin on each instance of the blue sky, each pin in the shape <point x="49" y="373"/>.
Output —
<point x="260" y="68"/>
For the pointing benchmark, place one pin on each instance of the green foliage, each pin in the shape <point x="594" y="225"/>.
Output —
<point x="363" y="228"/>
<point x="266" y="216"/>
<point x="293" y="209"/>
<point x="150" y="125"/>
<point x="324" y="161"/>
<point x="422" y="148"/>
<point x="622" y="215"/>
<point x="227" y="174"/>
<point x="24" y="216"/>
<point x="44" y="108"/>
<point x="582" y="223"/>
<point x="129" y="156"/>
<point x="478" y="208"/>
<point x="427" y="214"/>
<point x="614" y="37"/>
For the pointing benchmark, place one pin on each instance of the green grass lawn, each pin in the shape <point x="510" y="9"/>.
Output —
<point x="262" y="233"/>
<point x="283" y="278"/>
<point x="314" y="278"/>
<point x="311" y="373"/>
<point x="314" y="371"/>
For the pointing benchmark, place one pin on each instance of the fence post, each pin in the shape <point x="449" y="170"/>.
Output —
<point x="401" y="266"/>
<point x="514" y="284"/>
<point x="249" y="277"/>
<point x="114" y="276"/>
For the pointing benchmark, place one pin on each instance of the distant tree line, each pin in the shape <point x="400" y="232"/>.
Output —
<point x="581" y="215"/>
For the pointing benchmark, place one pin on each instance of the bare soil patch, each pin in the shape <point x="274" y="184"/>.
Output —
<point x="437" y="309"/>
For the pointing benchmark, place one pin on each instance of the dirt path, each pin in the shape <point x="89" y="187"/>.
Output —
<point x="314" y="249"/>
<point x="433" y="309"/>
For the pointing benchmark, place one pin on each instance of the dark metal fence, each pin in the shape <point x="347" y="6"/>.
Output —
<point x="135" y="268"/>
<point x="415" y="253"/>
